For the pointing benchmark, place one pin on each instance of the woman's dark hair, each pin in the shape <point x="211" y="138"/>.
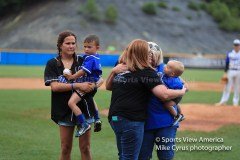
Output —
<point x="60" y="41"/>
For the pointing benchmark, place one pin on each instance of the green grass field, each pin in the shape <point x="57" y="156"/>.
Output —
<point x="37" y="72"/>
<point x="27" y="133"/>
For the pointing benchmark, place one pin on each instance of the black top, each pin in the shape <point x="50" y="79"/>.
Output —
<point x="131" y="92"/>
<point x="59" y="100"/>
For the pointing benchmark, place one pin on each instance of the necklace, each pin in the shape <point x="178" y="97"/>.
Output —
<point x="67" y="63"/>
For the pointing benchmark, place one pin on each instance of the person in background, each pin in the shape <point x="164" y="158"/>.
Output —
<point x="232" y="75"/>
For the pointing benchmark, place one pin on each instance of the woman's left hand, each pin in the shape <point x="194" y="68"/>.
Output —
<point x="85" y="87"/>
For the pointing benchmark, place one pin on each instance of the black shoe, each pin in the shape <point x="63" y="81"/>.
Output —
<point x="98" y="125"/>
<point x="178" y="118"/>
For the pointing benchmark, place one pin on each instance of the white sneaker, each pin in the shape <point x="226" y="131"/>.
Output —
<point x="82" y="129"/>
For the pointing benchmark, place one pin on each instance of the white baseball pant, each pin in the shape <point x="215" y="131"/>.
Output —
<point x="233" y="81"/>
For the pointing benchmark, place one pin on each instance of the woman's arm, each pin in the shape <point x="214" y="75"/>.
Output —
<point x="110" y="80"/>
<point x="117" y="69"/>
<point x="165" y="94"/>
<point x="63" y="87"/>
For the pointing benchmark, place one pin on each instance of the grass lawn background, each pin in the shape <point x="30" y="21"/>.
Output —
<point x="203" y="75"/>
<point x="27" y="132"/>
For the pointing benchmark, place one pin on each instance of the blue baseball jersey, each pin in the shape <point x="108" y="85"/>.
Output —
<point x="233" y="60"/>
<point x="172" y="82"/>
<point x="92" y="66"/>
<point x="62" y="79"/>
<point x="158" y="116"/>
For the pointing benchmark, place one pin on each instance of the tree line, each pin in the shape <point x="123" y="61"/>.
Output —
<point x="11" y="6"/>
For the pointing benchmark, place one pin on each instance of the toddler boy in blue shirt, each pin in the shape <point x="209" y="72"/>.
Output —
<point x="90" y="71"/>
<point x="171" y="79"/>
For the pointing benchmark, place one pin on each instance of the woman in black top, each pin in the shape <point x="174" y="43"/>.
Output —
<point x="61" y="91"/>
<point x="131" y="85"/>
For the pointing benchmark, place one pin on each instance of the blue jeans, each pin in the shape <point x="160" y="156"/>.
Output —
<point x="129" y="136"/>
<point x="158" y="137"/>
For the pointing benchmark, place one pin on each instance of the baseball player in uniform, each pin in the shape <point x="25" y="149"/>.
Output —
<point x="232" y="75"/>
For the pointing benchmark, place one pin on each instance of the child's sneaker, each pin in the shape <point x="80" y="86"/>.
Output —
<point x="178" y="118"/>
<point x="97" y="125"/>
<point x="183" y="118"/>
<point x="81" y="129"/>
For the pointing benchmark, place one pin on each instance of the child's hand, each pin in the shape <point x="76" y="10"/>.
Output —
<point x="186" y="86"/>
<point x="119" y="68"/>
<point x="69" y="76"/>
<point x="67" y="71"/>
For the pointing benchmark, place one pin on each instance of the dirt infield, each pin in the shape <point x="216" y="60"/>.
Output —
<point x="38" y="83"/>
<point x="205" y="117"/>
<point x="199" y="117"/>
<point x="22" y="83"/>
